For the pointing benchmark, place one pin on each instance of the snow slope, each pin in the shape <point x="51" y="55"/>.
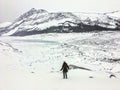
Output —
<point x="114" y="13"/>
<point x="5" y="24"/>
<point x="34" y="62"/>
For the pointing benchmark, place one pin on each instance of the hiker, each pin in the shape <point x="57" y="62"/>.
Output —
<point x="64" y="68"/>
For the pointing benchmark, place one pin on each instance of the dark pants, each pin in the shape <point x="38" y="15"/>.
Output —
<point x="64" y="75"/>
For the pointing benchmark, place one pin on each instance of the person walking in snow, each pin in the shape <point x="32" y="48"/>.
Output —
<point x="64" y="68"/>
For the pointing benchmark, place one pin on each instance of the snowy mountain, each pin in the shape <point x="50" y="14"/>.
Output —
<point x="40" y="21"/>
<point x="5" y="24"/>
<point x="113" y="14"/>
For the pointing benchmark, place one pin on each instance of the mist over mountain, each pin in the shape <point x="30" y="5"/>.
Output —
<point x="41" y="21"/>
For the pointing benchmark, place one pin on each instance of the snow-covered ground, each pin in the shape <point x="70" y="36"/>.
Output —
<point x="34" y="62"/>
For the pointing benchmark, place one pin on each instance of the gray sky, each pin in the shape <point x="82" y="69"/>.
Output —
<point x="11" y="9"/>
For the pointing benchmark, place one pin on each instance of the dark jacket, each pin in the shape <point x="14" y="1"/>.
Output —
<point x="65" y="67"/>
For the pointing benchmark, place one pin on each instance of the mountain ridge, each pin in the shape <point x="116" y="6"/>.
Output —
<point x="42" y="21"/>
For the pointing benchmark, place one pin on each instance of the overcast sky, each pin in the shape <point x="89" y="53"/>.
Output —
<point x="11" y="9"/>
